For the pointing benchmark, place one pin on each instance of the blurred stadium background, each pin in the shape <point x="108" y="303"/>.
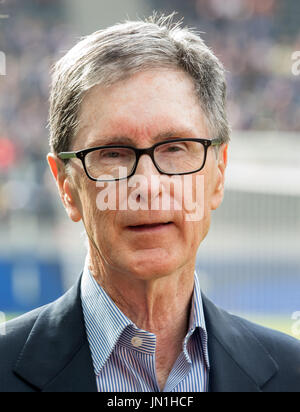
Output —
<point x="250" y="261"/>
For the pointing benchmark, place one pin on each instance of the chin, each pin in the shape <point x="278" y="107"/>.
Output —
<point x="153" y="264"/>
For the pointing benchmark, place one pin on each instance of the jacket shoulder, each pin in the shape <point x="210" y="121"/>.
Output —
<point x="273" y="340"/>
<point x="270" y="359"/>
<point x="17" y="330"/>
<point x="13" y="337"/>
<point x="284" y="349"/>
<point x="36" y="347"/>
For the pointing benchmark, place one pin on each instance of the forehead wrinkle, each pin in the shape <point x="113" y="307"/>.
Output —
<point x="125" y="125"/>
<point x="123" y="131"/>
<point x="126" y="140"/>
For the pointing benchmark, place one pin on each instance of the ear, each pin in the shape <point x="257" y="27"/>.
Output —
<point x="65" y="187"/>
<point x="218" y="189"/>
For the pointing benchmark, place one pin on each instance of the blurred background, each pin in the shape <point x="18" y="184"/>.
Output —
<point x="250" y="261"/>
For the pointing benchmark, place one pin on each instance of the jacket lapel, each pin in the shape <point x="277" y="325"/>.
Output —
<point x="56" y="355"/>
<point x="239" y="362"/>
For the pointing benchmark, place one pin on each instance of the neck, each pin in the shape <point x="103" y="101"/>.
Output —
<point x="160" y="305"/>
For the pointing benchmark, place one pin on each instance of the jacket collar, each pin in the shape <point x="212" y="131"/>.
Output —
<point x="56" y="356"/>
<point x="239" y="362"/>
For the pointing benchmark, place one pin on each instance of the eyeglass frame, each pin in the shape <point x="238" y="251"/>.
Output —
<point x="81" y="154"/>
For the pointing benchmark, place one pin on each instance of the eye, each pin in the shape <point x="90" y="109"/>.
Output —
<point x="172" y="147"/>
<point x="110" y="154"/>
<point x="113" y="155"/>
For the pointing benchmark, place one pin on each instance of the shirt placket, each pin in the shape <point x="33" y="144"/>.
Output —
<point x="141" y="345"/>
<point x="181" y="367"/>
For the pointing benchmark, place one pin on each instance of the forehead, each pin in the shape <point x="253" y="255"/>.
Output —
<point x="142" y="108"/>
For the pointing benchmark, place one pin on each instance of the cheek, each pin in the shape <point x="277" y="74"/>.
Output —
<point x="101" y="232"/>
<point x="93" y="218"/>
<point x="89" y="209"/>
<point x="195" y="197"/>
<point x="196" y="213"/>
<point x="100" y="218"/>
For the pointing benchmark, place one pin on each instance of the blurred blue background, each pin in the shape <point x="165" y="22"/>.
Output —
<point x="249" y="263"/>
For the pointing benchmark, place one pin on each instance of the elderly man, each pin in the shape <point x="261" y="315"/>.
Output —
<point x="138" y="132"/>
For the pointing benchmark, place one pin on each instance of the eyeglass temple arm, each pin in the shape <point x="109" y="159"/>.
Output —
<point x="216" y="142"/>
<point x="67" y="155"/>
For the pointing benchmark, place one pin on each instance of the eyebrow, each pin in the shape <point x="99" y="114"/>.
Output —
<point x="125" y="140"/>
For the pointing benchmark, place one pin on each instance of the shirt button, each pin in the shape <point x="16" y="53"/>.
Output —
<point x="136" y="341"/>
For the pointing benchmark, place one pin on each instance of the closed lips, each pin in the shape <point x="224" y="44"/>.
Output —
<point x="149" y="225"/>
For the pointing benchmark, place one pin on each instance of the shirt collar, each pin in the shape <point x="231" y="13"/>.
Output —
<point x="197" y="320"/>
<point x="105" y="322"/>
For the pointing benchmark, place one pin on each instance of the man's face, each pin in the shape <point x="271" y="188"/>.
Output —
<point x="148" y="107"/>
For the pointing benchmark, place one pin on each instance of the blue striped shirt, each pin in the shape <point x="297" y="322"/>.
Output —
<point x="124" y="355"/>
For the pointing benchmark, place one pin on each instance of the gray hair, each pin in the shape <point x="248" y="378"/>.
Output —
<point x="108" y="56"/>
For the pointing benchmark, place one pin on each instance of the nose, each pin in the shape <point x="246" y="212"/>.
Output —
<point x="146" y="167"/>
<point x="148" y="179"/>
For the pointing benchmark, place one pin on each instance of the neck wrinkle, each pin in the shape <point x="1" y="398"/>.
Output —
<point x="160" y="306"/>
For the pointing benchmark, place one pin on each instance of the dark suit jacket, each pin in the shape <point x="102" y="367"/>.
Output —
<point x="47" y="350"/>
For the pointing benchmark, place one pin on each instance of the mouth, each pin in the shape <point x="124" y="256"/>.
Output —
<point x="152" y="227"/>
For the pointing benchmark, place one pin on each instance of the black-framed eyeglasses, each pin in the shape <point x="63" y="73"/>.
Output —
<point x="117" y="162"/>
